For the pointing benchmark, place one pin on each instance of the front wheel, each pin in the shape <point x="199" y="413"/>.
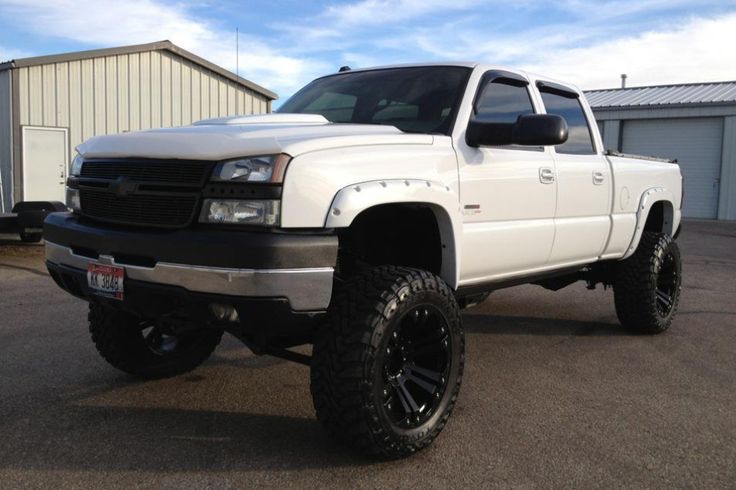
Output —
<point x="30" y="237"/>
<point x="148" y="349"/>
<point x="387" y="366"/>
<point x="647" y="285"/>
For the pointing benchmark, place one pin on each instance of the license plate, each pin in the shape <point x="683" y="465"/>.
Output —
<point x="106" y="280"/>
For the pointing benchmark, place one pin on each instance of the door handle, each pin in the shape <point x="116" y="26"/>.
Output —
<point x="546" y="175"/>
<point x="598" y="178"/>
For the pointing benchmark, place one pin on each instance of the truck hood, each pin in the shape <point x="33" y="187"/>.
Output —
<point x="233" y="137"/>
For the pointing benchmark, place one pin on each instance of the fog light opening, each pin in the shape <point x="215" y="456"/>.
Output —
<point x="224" y="313"/>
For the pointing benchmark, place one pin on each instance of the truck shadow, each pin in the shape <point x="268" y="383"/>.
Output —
<point x="75" y="436"/>
<point x="224" y="417"/>
<point x="517" y="325"/>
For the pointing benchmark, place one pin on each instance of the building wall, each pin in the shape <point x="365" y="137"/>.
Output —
<point x="727" y="197"/>
<point x="696" y="144"/>
<point x="6" y="145"/>
<point x="128" y="92"/>
<point x="614" y="121"/>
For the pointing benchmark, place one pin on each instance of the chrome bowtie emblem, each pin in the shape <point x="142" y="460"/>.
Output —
<point x="121" y="187"/>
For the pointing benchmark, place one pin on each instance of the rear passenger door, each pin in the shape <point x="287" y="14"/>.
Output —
<point x="507" y="193"/>
<point x="582" y="215"/>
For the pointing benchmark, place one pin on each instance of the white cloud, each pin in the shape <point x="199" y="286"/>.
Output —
<point x="587" y="42"/>
<point x="692" y="52"/>
<point x="7" y="54"/>
<point x="592" y="53"/>
<point x="369" y="12"/>
<point x="103" y="23"/>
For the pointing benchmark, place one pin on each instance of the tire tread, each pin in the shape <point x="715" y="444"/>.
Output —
<point x="122" y="347"/>
<point x="635" y="281"/>
<point x="345" y="348"/>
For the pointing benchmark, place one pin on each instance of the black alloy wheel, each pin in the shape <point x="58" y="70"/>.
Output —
<point x="648" y="284"/>
<point x="387" y="365"/>
<point x="667" y="284"/>
<point x="147" y="348"/>
<point x="416" y="365"/>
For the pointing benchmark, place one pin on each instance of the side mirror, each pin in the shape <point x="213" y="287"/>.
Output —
<point x="528" y="130"/>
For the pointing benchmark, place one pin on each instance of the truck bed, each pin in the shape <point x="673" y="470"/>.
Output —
<point x="612" y="153"/>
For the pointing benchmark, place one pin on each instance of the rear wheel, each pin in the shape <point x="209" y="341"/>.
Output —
<point x="647" y="286"/>
<point x="387" y="367"/>
<point x="148" y="349"/>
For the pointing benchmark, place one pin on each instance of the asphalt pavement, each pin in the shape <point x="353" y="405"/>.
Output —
<point x="556" y="395"/>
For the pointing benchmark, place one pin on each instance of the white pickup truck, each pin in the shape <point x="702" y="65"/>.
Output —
<point x="360" y="219"/>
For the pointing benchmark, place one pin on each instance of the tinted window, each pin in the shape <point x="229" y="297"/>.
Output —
<point x="337" y="107"/>
<point x="502" y="103"/>
<point x="416" y="99"/>
<point x="579" y="141"/>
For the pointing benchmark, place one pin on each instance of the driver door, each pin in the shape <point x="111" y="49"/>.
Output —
<point x="508" y="194"/>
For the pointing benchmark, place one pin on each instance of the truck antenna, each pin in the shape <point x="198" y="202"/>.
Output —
<point x="237" y="72"/>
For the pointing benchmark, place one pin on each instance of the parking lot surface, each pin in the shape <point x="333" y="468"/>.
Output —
<point x="556" y="395"/>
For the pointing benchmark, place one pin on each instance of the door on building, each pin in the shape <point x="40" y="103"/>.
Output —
<point x="45" y="162"/>
<point x="695" y="143"/>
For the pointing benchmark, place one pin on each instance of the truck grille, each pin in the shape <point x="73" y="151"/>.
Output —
<point x="169" y="172"/>
<point x="157" y="193"/>
<point x="148" y="210"/>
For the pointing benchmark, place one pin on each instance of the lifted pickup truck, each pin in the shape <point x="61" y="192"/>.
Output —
<point x="360" y="219"/>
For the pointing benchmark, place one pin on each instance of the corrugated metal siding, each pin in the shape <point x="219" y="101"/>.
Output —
<point x="128" y="92"/>
<point x="698" y="93"/>
<point x="6" y="146"/>
<point x="696" y="143"/>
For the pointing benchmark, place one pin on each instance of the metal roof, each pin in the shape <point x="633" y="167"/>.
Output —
<point x="138" y="48"/>
<point x="663" y="95"/>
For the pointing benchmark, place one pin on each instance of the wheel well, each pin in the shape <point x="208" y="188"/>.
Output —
<point x="655" y="219"/>
<point x="659" y="218"/>
<point x="391" y="234"/>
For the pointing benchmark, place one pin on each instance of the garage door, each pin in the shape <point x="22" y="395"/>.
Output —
<point x="696" y="143"/>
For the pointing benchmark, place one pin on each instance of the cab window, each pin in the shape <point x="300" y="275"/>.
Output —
<point x="334" y="106"/>
<point x="501" y="102"/>
<point x="579" y="140"/>
<point x="420" y="99"/>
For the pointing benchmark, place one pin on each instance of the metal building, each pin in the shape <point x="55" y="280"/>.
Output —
<point x="694" y="123"/>
<point x="50" y="104"/>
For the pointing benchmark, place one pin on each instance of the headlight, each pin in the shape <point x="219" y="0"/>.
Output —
<point x="267" y="168"/>
<point x="76" y="167"/>
<point x="72" y="199"/>
<point x="234" y="211"/>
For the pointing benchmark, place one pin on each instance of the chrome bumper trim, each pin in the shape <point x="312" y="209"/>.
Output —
<point x="306" y="289"/>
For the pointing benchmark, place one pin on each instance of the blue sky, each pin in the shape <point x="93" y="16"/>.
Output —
<point x="286" y="43"/>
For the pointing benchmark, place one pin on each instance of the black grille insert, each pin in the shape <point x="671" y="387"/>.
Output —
<point x="144" y="192"/>
<point x="169" y="210"/>
<point x="169" y="172"/>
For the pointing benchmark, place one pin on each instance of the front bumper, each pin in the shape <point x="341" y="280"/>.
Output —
<point x="296" y="267"/>
<point x="261" y="320"/>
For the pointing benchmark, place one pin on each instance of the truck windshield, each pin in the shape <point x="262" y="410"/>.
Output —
<point x="415" y="100"/>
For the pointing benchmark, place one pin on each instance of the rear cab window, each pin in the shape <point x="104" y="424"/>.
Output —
<point x="564" y="102"/>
